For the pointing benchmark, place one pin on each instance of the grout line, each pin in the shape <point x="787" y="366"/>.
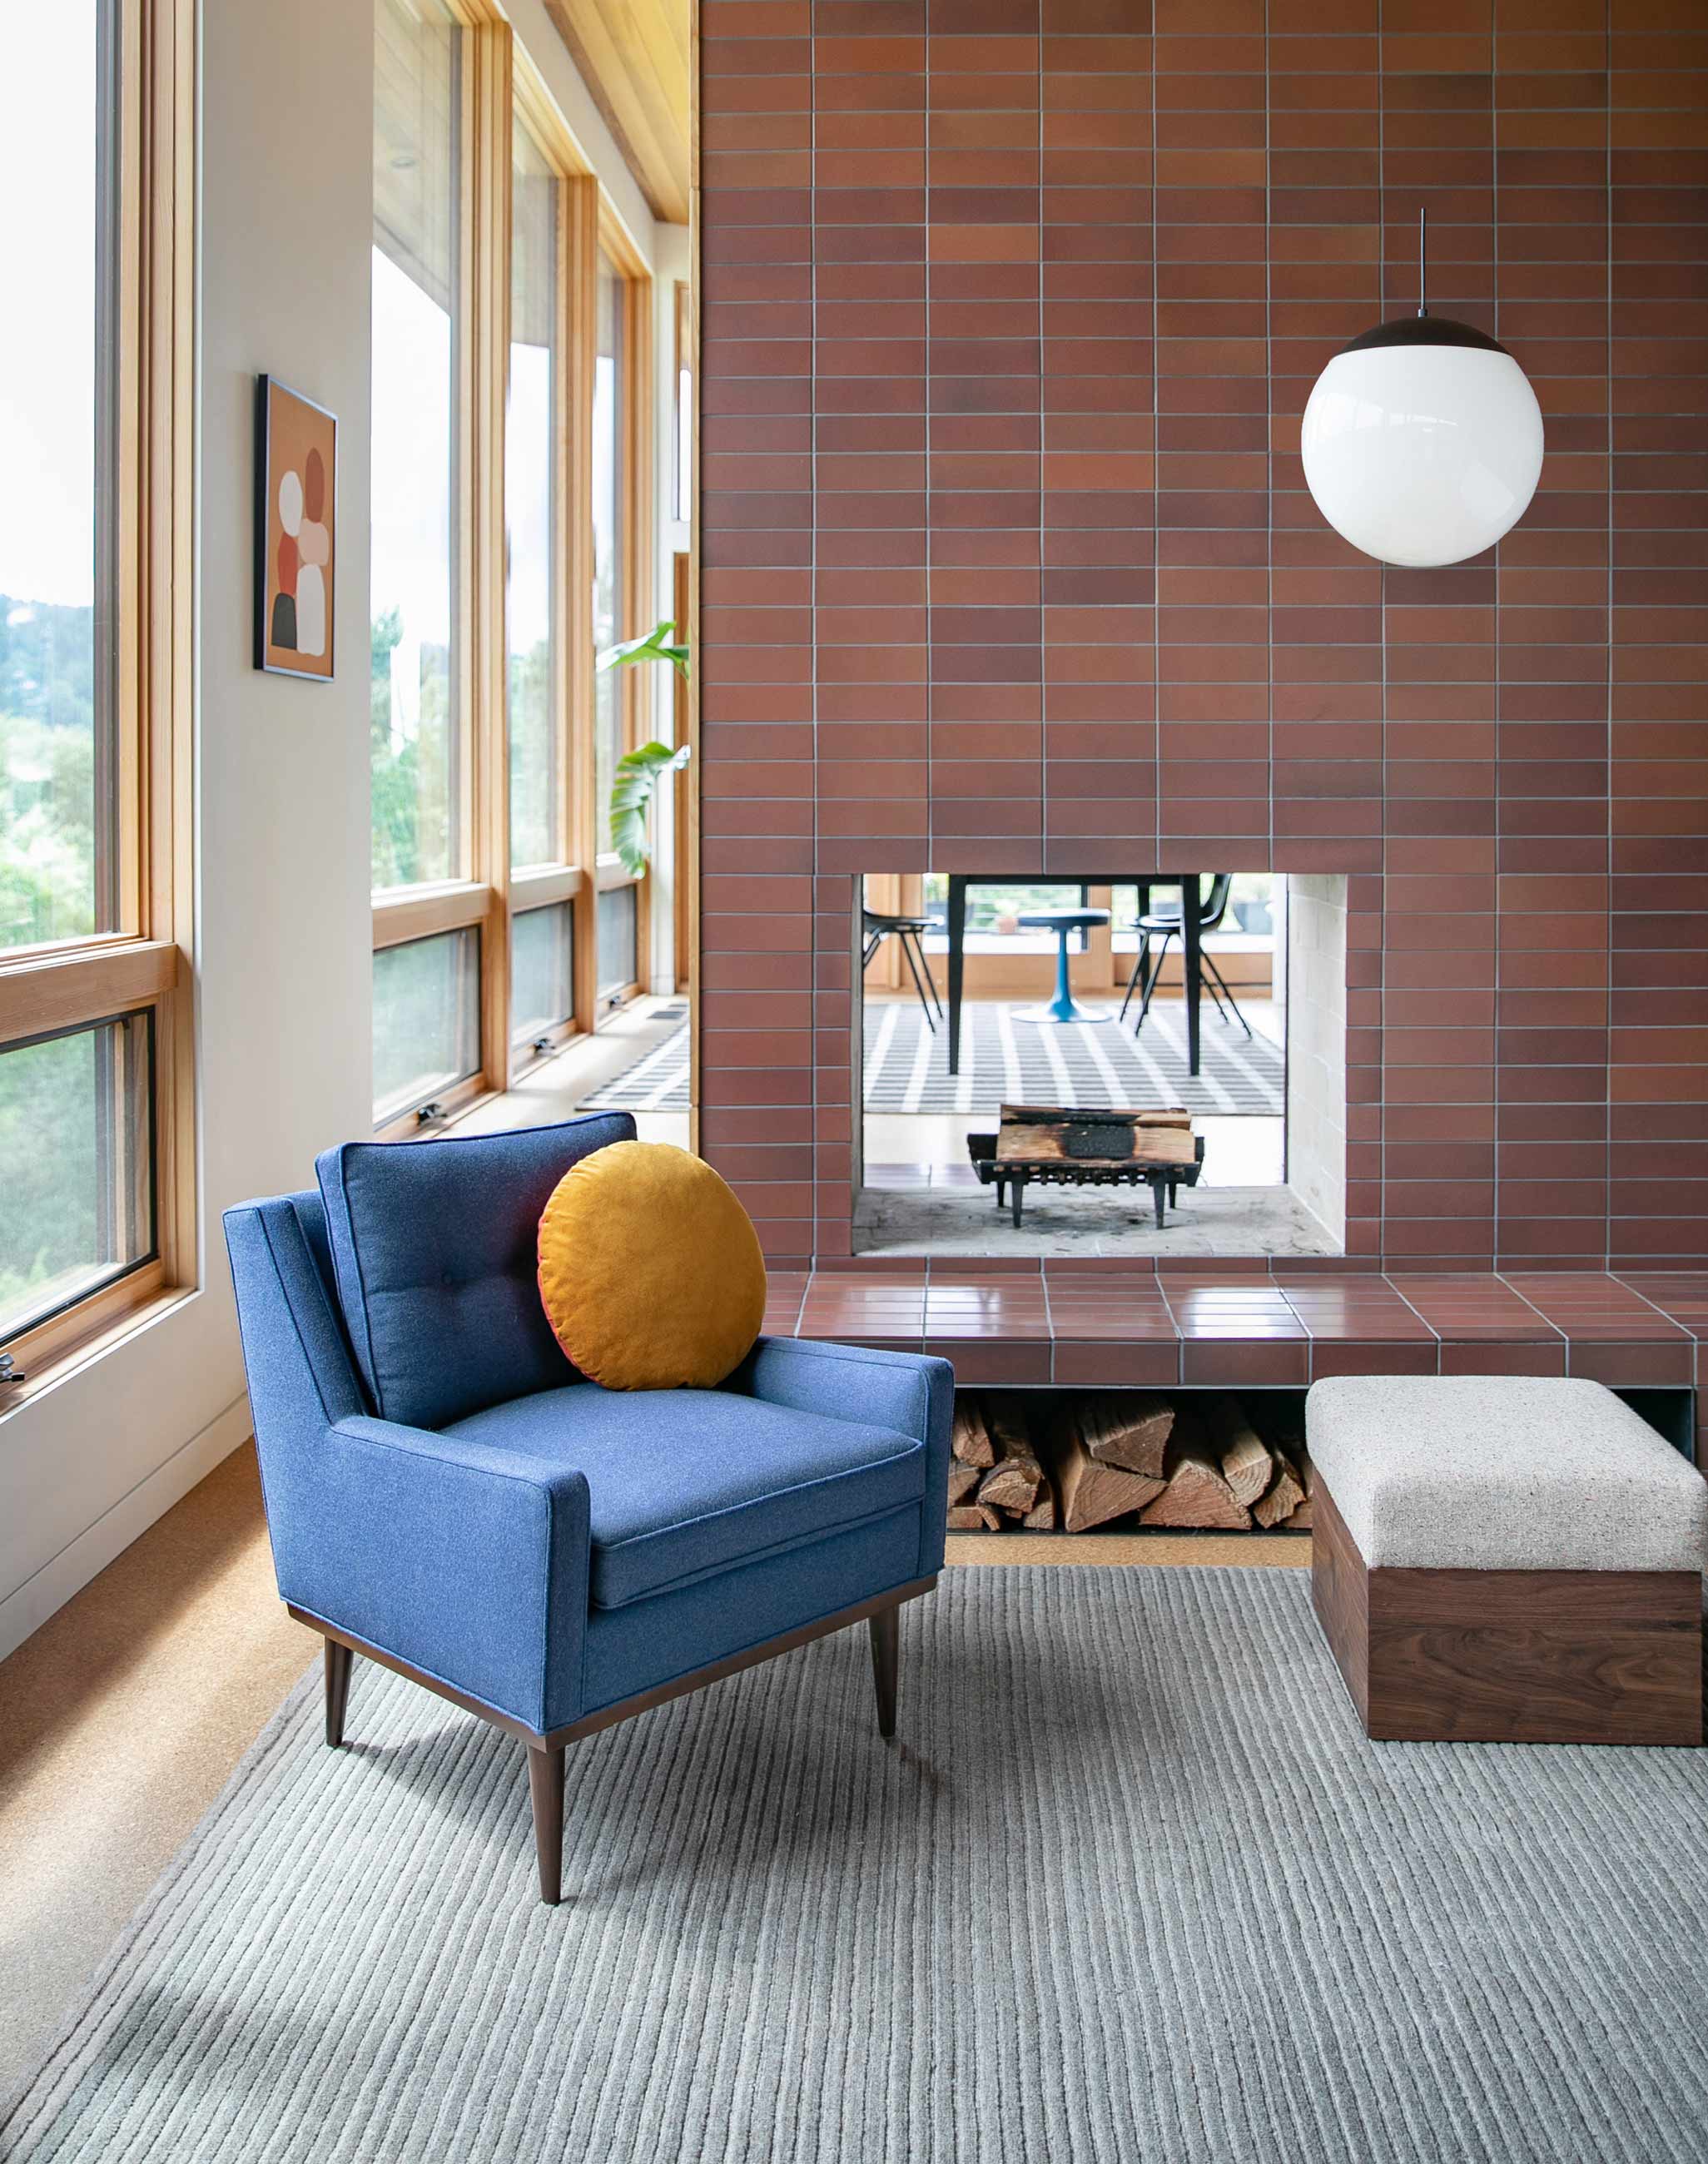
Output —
<point x="813" y="964"/>
<point x="1637" y="1293"/>
<point x="1269" y="460"/>
<point x="927" y="550"/>
<point x="1439" y="1340"/>
<point x="1501" y="1278"/>
<point x="1156" y="456"/>
<point x="1382" y="1145"/>
<point x="1043" y="844"/>
<point x="1500" y="700"/>
<point x="1608" y="639"/>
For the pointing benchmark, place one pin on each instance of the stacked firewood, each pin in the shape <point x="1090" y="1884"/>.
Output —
<point x="996" y="1478"/>
<point x="1145" y="1460"/>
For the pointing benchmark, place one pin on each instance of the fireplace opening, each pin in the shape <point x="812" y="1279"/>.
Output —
<point x="1026" y="1075"/>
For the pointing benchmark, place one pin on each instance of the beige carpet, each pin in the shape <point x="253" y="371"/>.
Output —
<point x="124" y="1716"/>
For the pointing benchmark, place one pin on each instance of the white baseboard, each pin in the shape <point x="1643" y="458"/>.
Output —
<point x="27" y="1606"/>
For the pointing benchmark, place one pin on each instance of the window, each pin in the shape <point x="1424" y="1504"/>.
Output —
<point x="683" y="494"/>
<point x="543" y="972"/>
<point x="611" y="504"/>
<point x="992" y="909"/>
<point x="416" y="768"/>
<point x="618" y="933"/>
<point x="96" y="1211"/>
<point x="509" y="445"/>
<point x="426" y="1021"/>
<point x="58" y="774"/>
<point x="530" y="467"/>
<point x="77" y="1166"/>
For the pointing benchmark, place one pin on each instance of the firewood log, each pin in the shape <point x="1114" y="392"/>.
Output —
<point x="1042" y="1518"/>
<point x="994" y="1522"/>
<point x="1014" y="1482"/>
<point x="1130" y="1432"/>
<point x="962" y="1481"/>
<point x="1093" y="1493"/>
<point x="1007" y="1487"/>
<point x="964" y="1518"/>
<point x="1244" y="1457"/>
<point x="970" y="1441"/>
<point x="1195" y="1493"/>
<point x="1307" y="1481"/>
<point x="1285" y="1495"/>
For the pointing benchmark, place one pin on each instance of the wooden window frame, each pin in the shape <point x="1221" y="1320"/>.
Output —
<point x="541" y="886"/>
<point x="639" y="547"/>
<point x="499" y="82"/>
<point x="143" y="963"/>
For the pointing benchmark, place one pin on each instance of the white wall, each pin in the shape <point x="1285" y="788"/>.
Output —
<point x="1315" y="998"/>
<point x="281" y="807"/>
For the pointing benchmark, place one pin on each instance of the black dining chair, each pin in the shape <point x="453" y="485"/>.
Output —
<point x="1164" y="924"/>
<point x="878" y="926"/>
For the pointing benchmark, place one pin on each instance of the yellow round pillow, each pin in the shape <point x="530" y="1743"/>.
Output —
<point x="649" y="1269"/>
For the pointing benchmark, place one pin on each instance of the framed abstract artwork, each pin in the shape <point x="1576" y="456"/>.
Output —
<point x="296" y="531"/>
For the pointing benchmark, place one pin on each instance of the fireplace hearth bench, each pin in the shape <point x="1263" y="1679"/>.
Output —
<point x="1506" y="1559"/>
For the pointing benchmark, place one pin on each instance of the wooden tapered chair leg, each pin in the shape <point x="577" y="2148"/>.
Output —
<point x="338" y="1661"/>
<point x="546" y="1782"/>
<point x="886" y="1627"/>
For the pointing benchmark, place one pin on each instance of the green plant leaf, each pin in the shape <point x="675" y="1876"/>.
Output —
<point x="631" y="787"/>
<point x="654" y="645"/>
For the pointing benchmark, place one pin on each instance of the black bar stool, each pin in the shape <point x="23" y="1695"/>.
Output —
<point x="877" y="927"/>
<point x="1162" y="924"/>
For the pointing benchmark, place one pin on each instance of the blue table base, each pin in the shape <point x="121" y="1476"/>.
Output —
<point x="1064" y="1007"/>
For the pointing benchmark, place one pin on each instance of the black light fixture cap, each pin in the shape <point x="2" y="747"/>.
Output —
<point x="1425" y="330"/>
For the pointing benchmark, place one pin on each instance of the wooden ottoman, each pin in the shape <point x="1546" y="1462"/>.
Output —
<point x="1506" y="1559"/>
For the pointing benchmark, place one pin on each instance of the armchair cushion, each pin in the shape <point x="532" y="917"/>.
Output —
<point x="434" y="1248"/>
<point x="685" y="1483"/>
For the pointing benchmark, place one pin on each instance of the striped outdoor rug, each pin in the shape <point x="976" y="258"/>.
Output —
<point x="1002" y="1059"/>
<point x="657" y="1082"/>
<point x="1066" y="1063"/>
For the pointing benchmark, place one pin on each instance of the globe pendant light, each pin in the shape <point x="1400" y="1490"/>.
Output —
<point x="1422" y="439"/>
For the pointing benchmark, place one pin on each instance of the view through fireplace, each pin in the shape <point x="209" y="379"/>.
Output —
<point x="1070" y="997"/>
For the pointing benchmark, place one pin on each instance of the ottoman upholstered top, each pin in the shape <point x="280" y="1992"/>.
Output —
<point x="1503" y="1472"/>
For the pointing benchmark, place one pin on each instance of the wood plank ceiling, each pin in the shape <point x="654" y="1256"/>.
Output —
<point x="633" y="56"/>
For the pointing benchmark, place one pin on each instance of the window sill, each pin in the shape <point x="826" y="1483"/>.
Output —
<point x="72" y="1347"/>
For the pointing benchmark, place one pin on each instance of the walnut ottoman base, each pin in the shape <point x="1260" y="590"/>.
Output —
<point x="1506" y="1560"/>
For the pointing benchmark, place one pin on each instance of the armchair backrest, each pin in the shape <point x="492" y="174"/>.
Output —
<point x="434" y="1253"/>
<point x="301" y="1377"/>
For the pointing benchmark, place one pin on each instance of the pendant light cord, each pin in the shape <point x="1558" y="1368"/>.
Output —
<point x="1422" y="261"/>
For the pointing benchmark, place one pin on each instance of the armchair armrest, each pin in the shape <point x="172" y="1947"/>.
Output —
<point x="911" y="1392"/>
<point x="470" y="1562"/>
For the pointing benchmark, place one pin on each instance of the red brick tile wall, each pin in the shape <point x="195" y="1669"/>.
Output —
<point x="1010" y="308"/>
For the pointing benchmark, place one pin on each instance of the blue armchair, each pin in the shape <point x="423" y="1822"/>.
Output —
<point x="446" y="1495"/>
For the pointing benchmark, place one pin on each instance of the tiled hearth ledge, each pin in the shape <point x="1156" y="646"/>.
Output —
<point x="1106" y="1323"/>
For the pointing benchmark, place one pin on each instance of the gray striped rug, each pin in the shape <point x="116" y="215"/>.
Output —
<point x="656" y="1082"/>
<point x="906" y="1068"/>
<point x="1130" y="1885"/>
<point x="1003" y="1060"/>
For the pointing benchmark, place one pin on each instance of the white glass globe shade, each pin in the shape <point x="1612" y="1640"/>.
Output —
<point x="1423" y="453"/>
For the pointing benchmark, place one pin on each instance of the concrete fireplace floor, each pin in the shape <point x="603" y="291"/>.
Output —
<point x="898" y="1216"/>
